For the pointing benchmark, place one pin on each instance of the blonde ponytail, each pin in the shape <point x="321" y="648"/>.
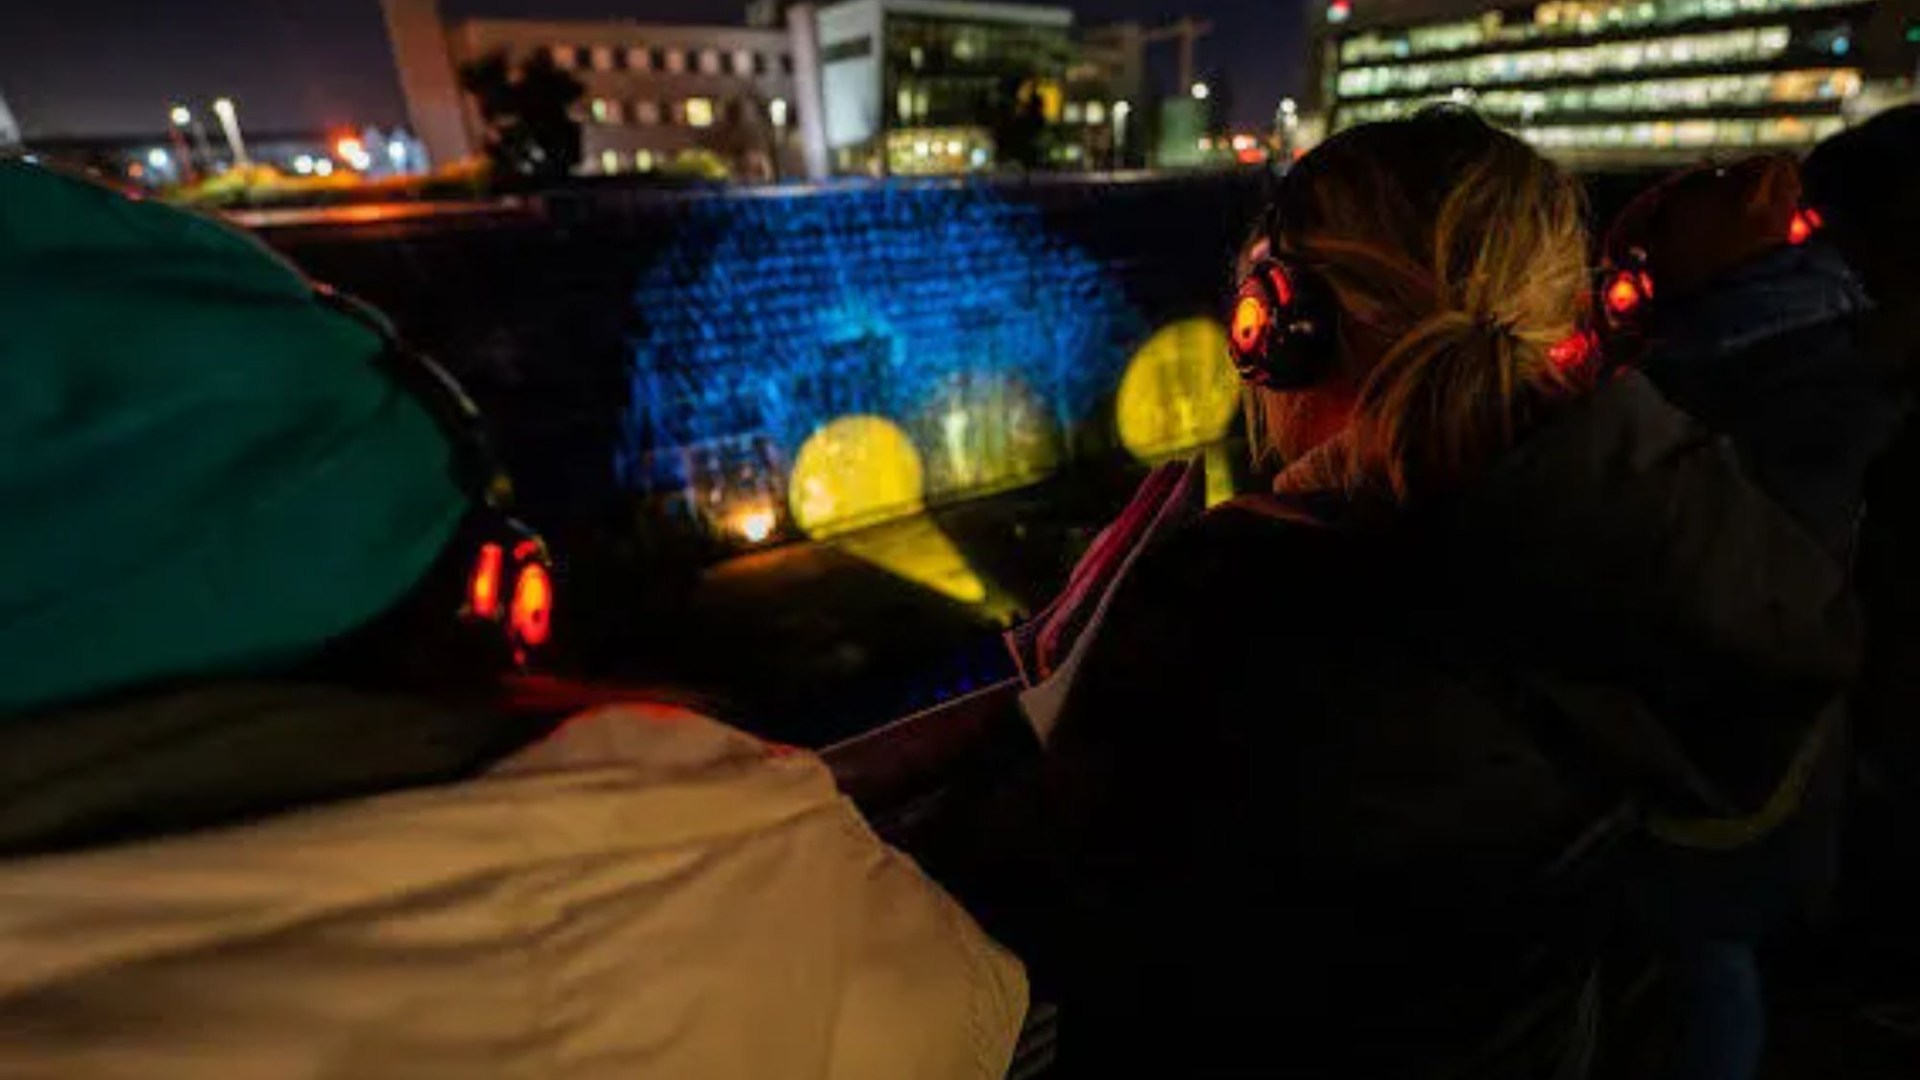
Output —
<point x="1458" y="259"/>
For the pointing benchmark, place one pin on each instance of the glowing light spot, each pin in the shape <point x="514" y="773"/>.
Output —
<point x="864" y="469"/>
<point x="1804" y="224"/>
<point x="916" y="550"/>
<point x="1219" y="475"/>
<point x="483" y="590"/>
<point x="1571" y="353"/>
<point x="1622" y="294"/>
<point x="1179" y="391"/>
<point x="1249" y="323"/>
<point x="853" y="472"/>
<point x="754" y="525"/>
<point x="532" y="612"/>
<point x="1282" y="286"/>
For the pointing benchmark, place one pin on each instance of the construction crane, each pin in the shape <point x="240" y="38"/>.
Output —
<point x="1187" y="31"/>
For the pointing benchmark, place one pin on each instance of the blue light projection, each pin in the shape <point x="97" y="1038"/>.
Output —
<point x="940" y="307"/>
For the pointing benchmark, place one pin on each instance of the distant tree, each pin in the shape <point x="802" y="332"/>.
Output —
<point x="528" y="110"/>
<point x="1018" y="121"/>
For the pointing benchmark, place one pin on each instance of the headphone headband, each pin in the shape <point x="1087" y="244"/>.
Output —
<point x="510" y="585"/>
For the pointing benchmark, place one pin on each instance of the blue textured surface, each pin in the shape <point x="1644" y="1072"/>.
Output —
<point x="766" y="318"/>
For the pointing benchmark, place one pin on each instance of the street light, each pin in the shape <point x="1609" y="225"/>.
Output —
<point x="1201" y="91"/>
<point x="181" y="117"/>
<point x="230" y="123"/>
<point x="1288" y="106"/>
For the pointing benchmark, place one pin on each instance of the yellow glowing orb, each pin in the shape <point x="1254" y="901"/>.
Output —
<point x="1179" y="391"/>
<point x="859" y="471"/>
<point x="855" y="471"/>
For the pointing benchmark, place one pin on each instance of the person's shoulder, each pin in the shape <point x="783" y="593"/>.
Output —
<point x="1247" y="537"/>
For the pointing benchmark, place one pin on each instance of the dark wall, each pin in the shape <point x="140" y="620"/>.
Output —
<point x="553" y="312"/>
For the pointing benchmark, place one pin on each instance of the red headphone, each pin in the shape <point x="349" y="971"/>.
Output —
<point x="1625" y="284"/>
<point x="520" y="600"/>
<point x="1283" y="330"/>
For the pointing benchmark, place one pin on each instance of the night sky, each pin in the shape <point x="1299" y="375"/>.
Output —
<point x="110" y="67"/>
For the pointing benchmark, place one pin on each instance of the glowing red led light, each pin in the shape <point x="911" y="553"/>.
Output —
<point x="1571" y="353"/>
<point x="1282" y="287"/>
<point x="1249" y="323"/>
<point x="483" y="589"/>
<point x="1804" y="224"/>
<point x="1623" y="294"/>
<point x="532" y="614"/>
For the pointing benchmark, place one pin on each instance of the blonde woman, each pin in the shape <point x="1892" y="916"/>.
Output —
<point x="1332" y="795"/>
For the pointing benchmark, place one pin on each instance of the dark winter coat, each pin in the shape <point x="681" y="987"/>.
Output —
<point x="1778" y="356"/>
<point x="1320" y="793"/>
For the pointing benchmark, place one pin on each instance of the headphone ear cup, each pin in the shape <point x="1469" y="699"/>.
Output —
<point x="530" y="615"/>
<point x="1282" y="330"/>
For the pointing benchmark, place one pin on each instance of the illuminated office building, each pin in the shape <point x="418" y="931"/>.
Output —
<point x="654" y="93"/>
<point x="921" y="86"/>
<point x="1617" y="83"/>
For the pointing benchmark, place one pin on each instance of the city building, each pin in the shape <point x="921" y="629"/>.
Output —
<point x="1616" y="83"/>
<point x="950" y="86"/>
<point x="657" y="96"/>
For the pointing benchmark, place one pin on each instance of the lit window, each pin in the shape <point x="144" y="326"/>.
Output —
<point x="565" y="57"/>
<point x="602" y="109"/>
<point x="609" y="162"/>
<point x="1074" y="112"/>
<point x="639" y="59"/>
<point x="602" y="58"/>
<point x="1096" y="112"/>
<point x="699" y="112"/>
<point x="743" y="62"/>
<point x="646" y="112"/>
<point x="643" y="160"/>
<point x="903" y="104"/>
<point x="676" y="61"/>
<point x="1724" y="47"/>
<point x="710" y="61"/>
<point x="777" y="112"/>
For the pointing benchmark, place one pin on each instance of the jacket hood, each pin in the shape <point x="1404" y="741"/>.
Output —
<point x="1786" y="289"/>
<point x="1620" y="546"/>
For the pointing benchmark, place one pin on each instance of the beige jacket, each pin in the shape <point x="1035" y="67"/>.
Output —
<point x="646" y="894"/>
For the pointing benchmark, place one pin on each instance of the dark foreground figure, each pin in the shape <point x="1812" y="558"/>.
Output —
<point x="1360" y="777"/>
<point x="267" y="809"/>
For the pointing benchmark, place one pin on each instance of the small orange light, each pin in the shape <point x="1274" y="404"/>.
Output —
<point x="1571" y="353"/>
<point x="1249" y="323"/>
<point x="532" y="614"/>
<point x="483" y="590"/>
<point x="1801" y="228"/>
<point x="1623" y="294"/>
<point x="1282" y="287"/>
